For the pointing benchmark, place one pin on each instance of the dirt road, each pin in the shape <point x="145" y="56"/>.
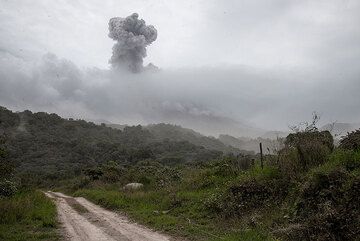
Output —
<point x="85" y="221"/>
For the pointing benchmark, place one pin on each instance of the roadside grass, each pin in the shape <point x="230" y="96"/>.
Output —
<point x="28" y="215"/>
<point x="340" y="159"/>
<point x="179" y="212"/>
<point x="181" y="216"/>
<point x="182" y="209"/>
<point x="247" y="234"/>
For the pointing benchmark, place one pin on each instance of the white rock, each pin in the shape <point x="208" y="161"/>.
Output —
<point x="133" y="186"/>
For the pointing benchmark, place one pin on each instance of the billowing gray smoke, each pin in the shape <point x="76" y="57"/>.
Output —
<point x="132" y="36"/>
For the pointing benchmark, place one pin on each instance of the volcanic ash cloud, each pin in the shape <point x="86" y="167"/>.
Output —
<point x="132" y="36"/>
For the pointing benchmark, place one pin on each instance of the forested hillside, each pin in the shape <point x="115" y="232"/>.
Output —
<point x="177" y="133"/>
<point x="45" y="146"/>
<point x="163" y="131"/>
<point x="306" y="190"/>
<point x="270" y="146"/>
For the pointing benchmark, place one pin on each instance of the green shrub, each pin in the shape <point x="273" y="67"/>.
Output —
<point x="328" y="206"/>
<point x="231" y="165"/>
<point x="289" y="162"/>
<point x="243" y="197"/>
<point x="7" y="188"/>
<point x="351" y="141"/>
<point x="304" y="150"/>
<point x="340" y="159"/>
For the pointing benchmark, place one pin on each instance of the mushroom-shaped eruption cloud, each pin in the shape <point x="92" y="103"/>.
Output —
<point x="132" y="36"/>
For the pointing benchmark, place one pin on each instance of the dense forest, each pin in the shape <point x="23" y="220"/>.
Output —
<point x="47" y="146"/>
<point x="163" y="131"/>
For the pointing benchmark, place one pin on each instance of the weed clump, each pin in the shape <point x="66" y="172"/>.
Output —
<point x="256" y="189"/>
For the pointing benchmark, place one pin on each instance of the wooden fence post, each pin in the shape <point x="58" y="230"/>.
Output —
<point x="261" y="156"/>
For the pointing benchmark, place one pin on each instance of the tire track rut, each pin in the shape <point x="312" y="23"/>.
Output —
<point x="85" y="221"/>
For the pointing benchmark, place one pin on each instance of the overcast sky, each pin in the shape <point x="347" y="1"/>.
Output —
<point x="263" y="63"/>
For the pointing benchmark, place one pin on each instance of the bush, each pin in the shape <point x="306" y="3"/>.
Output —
<point x="243" y="197"/>
<point x="304" y="150"/>
<point x="289" y="162"/>
<point x="232" y="165"/>
<point x="328" y="206"/>
<point x="7" y="188"/>
<point x="341" y="159"/>
<point x="351" y="141"/>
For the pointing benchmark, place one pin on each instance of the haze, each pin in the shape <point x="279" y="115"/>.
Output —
<point x="225" y="66"/>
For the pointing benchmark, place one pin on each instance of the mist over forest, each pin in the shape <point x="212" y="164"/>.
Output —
<point x="200" y="120"/>
<point x="217" y="98"/>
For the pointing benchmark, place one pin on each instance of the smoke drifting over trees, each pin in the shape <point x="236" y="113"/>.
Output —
<point x="132" y="36"/>
<point x="212" y="101"/>
<point x="202" y="84"/>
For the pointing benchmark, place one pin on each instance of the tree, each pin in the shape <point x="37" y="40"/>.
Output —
<point x="6" y="167"/>
<point x="7" y="186"/>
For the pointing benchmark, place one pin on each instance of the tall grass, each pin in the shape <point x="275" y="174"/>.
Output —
<point x="29" y="215"/>
<point x="218" y="202"/>
<point x="180" y="214"/>
<point x="340" y="159"/>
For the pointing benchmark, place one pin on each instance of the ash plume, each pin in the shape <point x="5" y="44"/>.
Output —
<point x="132" y="36"/>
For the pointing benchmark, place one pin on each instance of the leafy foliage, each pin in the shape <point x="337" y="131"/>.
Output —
<point x="304" y="150"/>
<point x="226" y="194"/>
<point x="7" y="188"/>
<point x="242" y="198"/>
<point x="328" y="202"/>
<point x="7" y="184"/>
<point x="351" y="141"/>
<point x="6" y="167"/>
<point x="164" y="131"/>
<point x="309" y="191"/>
<point x="48" y="148"/>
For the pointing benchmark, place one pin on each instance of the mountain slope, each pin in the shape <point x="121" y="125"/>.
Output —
<point x="177" y="133"/>
<point x="49" y="147"/>
<point x="252" y="144"/>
